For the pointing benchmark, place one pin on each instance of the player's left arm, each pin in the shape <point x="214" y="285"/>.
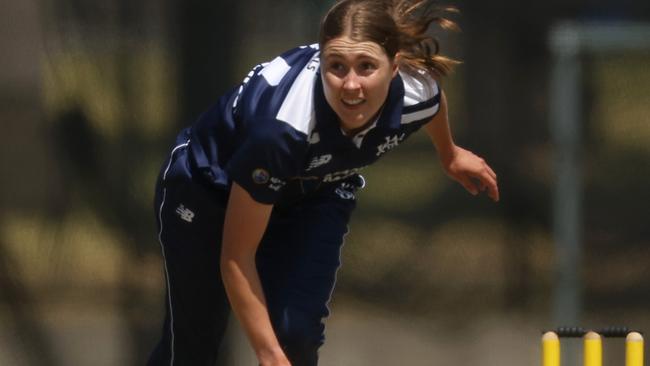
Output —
<point x="463" y="166"/>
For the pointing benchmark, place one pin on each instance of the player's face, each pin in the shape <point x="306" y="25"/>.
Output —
<point x="356" y="78"/>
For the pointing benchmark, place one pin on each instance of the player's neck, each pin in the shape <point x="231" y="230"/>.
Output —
<point x="351" y="132"/>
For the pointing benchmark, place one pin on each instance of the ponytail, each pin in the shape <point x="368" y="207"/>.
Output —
<point x="419" y="50"/>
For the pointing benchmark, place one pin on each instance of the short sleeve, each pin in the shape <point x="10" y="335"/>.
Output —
<point x="421" y="97"/>
<point x="270" y="154"/>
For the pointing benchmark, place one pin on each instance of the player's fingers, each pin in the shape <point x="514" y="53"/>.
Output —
<point x="491" y="172"/>
<point x="486" y="168"/>
<point x="466" y="182"/>
<point x="482" y="186"/>
<point x="493" y="192"/>
<point x="492" y="187"/>
<point x="490" y="183"/>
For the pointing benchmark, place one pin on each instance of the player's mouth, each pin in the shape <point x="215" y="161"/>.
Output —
<point x="351" y="103"/>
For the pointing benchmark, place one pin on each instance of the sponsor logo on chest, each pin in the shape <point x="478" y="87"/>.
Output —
<point x="336" y="176"/>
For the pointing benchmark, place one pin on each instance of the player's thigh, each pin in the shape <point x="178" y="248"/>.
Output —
<point x="190" y="219"/>
<point x="300" y="254"/>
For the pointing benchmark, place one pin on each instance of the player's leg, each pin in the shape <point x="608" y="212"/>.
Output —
<point x="190" y="218"/>
<point x="298" y="260"/>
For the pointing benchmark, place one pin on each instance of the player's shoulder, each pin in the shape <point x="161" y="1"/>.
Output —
<point x="419" y="87"/>
<point x="301" y="54"/>
<point x="421" y="96"/>
<point x="288" y="81"/>
<point x="286" y="66"/>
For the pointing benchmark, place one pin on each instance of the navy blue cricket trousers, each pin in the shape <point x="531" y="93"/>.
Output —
<point x="297" y="262"/>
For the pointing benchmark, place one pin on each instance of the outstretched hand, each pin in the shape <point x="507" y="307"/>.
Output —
<point x="472" y="172"/>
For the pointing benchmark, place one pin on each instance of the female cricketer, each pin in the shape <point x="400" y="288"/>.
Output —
<point x="254" y="200"/>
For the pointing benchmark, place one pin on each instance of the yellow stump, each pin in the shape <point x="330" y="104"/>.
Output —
<point x="634" y="349"/>
<point x="551" y="349"/>
<point x="593" y="350"/>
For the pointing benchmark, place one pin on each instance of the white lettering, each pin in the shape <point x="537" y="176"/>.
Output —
<point x="336" y="176"/>
<point x="391" y="143"/>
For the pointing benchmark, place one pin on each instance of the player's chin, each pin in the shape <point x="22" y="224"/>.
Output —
<point x="353" y="121"/>
<point x="350" y="117"/>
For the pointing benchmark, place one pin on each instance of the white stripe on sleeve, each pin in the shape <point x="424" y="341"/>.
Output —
<point x="298" y="106"/>
<point x="420" y="115"/>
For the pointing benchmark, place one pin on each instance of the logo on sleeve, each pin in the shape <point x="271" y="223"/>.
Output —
<point x="261" y="176"/>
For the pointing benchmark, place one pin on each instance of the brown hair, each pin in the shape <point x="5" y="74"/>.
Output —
<point x="396" y="25"/>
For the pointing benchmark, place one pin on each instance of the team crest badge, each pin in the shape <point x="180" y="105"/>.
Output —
<point x="261" y="176"/>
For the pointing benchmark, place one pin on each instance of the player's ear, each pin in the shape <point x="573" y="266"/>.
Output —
<point x="396" y="62"/>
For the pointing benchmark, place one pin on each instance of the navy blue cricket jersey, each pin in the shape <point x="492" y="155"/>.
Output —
<point x="277" y="137"/>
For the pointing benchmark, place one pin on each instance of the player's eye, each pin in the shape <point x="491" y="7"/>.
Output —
<point x="367" y="67"/>
<point x="336" y="66"/>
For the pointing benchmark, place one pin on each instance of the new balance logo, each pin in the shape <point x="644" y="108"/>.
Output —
<point x="276" y="184"/>
<point x="319" y="161"/>
<point x="185" y="213"/>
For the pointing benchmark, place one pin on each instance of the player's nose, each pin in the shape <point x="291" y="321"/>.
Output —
<point x="351" y="81"/>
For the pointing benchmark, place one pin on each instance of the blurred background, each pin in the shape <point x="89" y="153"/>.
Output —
<point x="92" y="94"/>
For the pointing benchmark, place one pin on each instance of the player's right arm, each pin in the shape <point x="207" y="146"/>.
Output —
<point x="244" y="226"/>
